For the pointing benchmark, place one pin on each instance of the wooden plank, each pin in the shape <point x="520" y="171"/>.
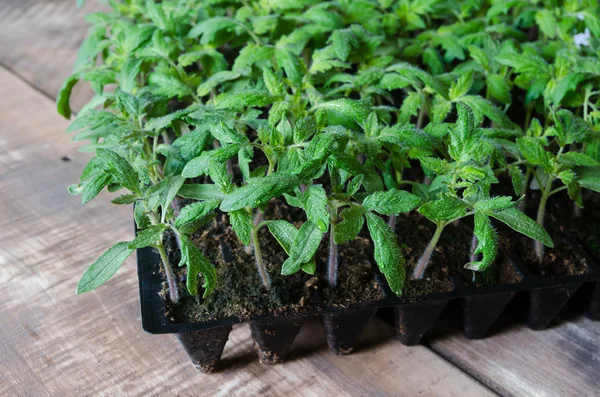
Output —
<point x="563" y="360"/>
<point x="56" y="343"/>
<point x="40" y="40"/>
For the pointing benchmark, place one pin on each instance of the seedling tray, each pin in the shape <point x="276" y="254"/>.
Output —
<point x="413" y="317"/>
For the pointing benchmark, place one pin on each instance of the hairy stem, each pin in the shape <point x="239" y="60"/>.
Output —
<point x="259" y="260"/>
<point x="173" y="291"/>
<point x="392" y="222"/>
<point x="424" y="260"/>
<point x="332" y="263"/>
<point x="537" y="245"/>
<point x="472" y="256"/>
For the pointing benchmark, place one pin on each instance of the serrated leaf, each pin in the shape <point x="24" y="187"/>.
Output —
<point x="534" y="153"/>
<point x="241" y="100"/>
<point x="486" y="243"/>
<point x="104" y="267"/>
<point x="148" y="236"/>
<point x="92" y="187"/>
<point x="273" y="83"/>
<point x="242" y="224"/>
<point x="197" y="264"/>
<point x="494" y="203"/>
<point x="125" y="199"/>
<point x="216" y="79"/>
<point x="201" y="164"/>
<point x="391" y="202"/>
<point x="578" y="159"/>
<point x="315" y="206"/>
<point x="443" y="209"/>
<point x="195" y="211"/>
<point x="461" y="86"/>
<point x="523" y="224"/>
<point x="517" y="178"/>
<point x="120" y="169"/>
<point x="355" y="110"/>
<point x="589" y="178"/>
<point x="201" y="192"/>
<point x="387" y="252"/>
<point x="351" y="224"/>
<point x="259" y="190"/>
<point x="498" y="88"/>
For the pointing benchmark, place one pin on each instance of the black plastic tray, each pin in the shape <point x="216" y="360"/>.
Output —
<point x="273" y="335"/>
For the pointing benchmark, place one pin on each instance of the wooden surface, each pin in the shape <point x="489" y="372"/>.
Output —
<point x="55" y="343"/>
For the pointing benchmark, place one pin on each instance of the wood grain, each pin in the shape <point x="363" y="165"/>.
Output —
<point x="57" y="343"/>
<point x="563" y="360"/>
<point x="40" y="40"/>
<point x="53" y="342"/>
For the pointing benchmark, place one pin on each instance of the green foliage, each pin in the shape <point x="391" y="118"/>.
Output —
<point x="331" y="107"/>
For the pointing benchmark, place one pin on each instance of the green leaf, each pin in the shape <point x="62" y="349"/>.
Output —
<point x="242" y="224"/>
<point x="259" y="190"/>
<point x="547" y="22"/>
<point x="291" y="64"/>
<point x="94" y="186"/>
<point x="173" y="184"/>
<point x="209" y="28"/>
<point x="120" y="169"/>
<point x="201" y="164"/>
<point x="201" y="192"/>
<point x="578" y="159"/>
<point x="125" y="199"/>
<point x="148" y="236"/>
<point x="315" y="205"/>
<point x="355" y="110"/>
<point x="534" y="153"/>
<point x="444" y="209"/>
<point x="197" y="264"/>
<point x="104" y="267"/>
<point x="486" y="243"/>
<point x="387" y="252"/>
<point x="303" y="248"/>
<point x="273" y="83"/>
<point x="216" y="79"/>
<point x="589" y="178"/>
<point x="284" y="232"/>
<point x="160" y="123"/>
<point x="438" y="166"/>
<point x="523" y="224"/>
<point x="517" y="178"/>
<point x="241" y="100"/>
<point x="391" y="202"/>
<point x="64" y="94"/>
<point x="352" y="223"/>
<point x="494" y="203"/>
<point x="461" y="86"/>
<point x="195" y="211"/>
<point x="498" y="88"/>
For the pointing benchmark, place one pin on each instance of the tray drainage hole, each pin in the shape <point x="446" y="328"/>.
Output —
<point x="66" y="159"/>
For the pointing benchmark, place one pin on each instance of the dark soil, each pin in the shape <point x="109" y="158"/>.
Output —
<point x="565" y="259"/>
<point x="239" y="292"/>
<point x="414" y="233"/>
<point x="356" y="269"/>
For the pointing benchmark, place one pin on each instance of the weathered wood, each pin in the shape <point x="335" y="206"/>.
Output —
<point x="57" y="343"/>
<point x="54" y="343"/>
<point x="563" y="360"/>
<point x="40" y="39"/>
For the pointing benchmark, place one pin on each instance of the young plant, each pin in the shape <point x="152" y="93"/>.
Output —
<point x="567" y="163"/>
<point x="461" y="188"/>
